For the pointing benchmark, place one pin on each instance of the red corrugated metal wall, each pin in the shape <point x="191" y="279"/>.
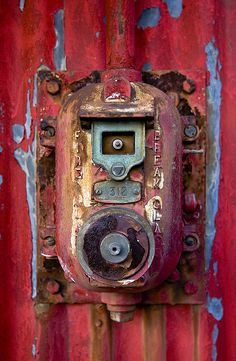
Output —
<point x="172" y="34"/>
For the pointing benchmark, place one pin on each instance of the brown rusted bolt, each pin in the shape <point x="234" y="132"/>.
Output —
<point x="50" y="241"/>
<point x="53" y="287"/>
<point x="50" y="131"/>
<point x="190" y="288"/>
<point x="189" y="86"/>
<point x="53" y="87"/>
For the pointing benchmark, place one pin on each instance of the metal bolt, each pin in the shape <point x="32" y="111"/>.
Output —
<point x="98" y="191"/>
<point x="43" y="124"/>
<point x="50" y="241"/>
<point x="190" y="131"/>
<point x="50" y="131"/>
<point x="118" y="169"/>
<point x="190" y="241"/>
<point x="53" y="287"/>
<point x="117" y="144"/>
<point x="53" y="87"/>
<point x="189" y="86"/>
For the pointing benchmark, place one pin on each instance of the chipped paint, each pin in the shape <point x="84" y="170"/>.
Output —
<point x="1" y="179"/>
<point x="33" y="350"/>
<point x="27" y="162"/>
<point x="215" y="307"/>
<point x="215" y="268"/>
<point x="18" y="133"/>
<point x="149" y="18"/>
<point x="215" y="334"/>
<point x="147" y="67"/>
<point x="22" y="5"/>
<point x="1" y="149"/>
<point x="97" y="34"/>
<point x="35" y="92"/>
<point x="213" y="164"/>
<point x="28" y="117"/>
<point x="175" y="7"/>
<point x="59" y="50"/>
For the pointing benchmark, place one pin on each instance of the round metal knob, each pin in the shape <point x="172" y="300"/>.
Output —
<point x="115" y="248"/>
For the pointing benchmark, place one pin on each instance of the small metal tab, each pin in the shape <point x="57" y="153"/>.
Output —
<point x="117" y="192"/>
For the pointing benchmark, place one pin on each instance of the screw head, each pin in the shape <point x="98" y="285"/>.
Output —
<point x="190" y="241"/>
<point x="50" y="241"/>
<point x="117" y="144"/>
<point x="118" y="169"/>
<point x="98" y="191"/>
<point x="190" y="131"/>
<point x="53" y="287"/>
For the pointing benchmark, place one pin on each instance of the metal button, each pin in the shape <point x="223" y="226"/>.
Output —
<point x="115" y="248"/>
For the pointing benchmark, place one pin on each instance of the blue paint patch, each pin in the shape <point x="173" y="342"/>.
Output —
<point x="149" y="18"/>
<point x="18" y="131"/>
<point x="1" y="149"/>
<point x="97" y="34"/>
<point x="1" y="179"/>
<point x="33" y="348"/>
<point x="147" y="67"/>
<point x="215" y="334"/>
<point x="59" y="50"/>
<point x="213" y="163"/>
<point x="105" y="19"/>
<point x="27" y="162"/>
<point x="215" y="268"/>
<point x="28" y="117"/>
<point x="215" y="307"/>
<point x="22" y="5"/>
<point x="175" y="7"/>
<point x="35" y="93"/>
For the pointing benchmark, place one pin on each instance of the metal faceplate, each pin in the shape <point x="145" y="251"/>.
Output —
<point x="186" y="283"/>
<point x="117" y="164"/>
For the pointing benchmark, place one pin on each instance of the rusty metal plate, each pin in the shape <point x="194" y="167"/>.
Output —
<point x="117" y="192"/>
<point x="186" y="284"/>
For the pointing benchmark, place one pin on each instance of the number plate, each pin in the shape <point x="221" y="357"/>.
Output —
<point x="117" y="192"/>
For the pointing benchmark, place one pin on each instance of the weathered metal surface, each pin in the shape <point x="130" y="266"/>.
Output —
<point x="189" y="40"/>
